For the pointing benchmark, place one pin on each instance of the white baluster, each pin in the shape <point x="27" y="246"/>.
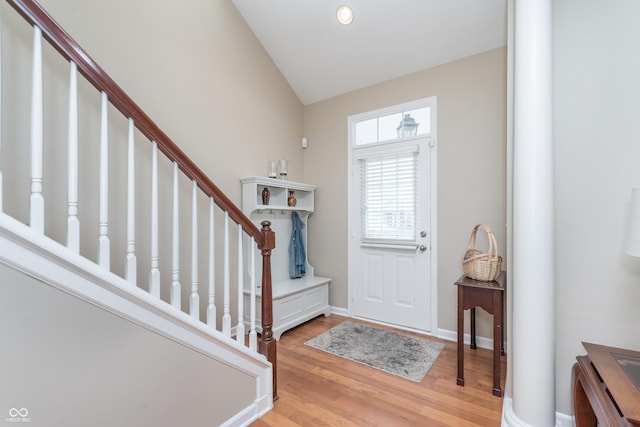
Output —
<point x="1" y="184"/>
<point x="130" y="270"/>
<point x="211" y="308"/>
<point x="253" y="335"/>
<point x="73" y="223"/>
<point x="194" y="300"/>
<point x="240" y="327"/>
<point x="175" y="256"/>
<point x="36" y="211"/>
<point x="154" y="274"/>
<point x="226" y="317"/>
<point x="103" y="234"/>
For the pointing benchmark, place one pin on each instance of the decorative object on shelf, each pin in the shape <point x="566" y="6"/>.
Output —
<point x="291" y="201"/>
<point x="282" y="167"/>
<point x="273" y="168"/>
<point x="407" y="127"/>
<point x="265" y="196"/>
<point x="479" y="265"/>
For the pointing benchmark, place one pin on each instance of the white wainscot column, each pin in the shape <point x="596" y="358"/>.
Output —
<point x="532" y="399"/>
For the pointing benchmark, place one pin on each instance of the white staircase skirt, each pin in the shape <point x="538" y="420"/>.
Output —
<point x="230" y="368"/>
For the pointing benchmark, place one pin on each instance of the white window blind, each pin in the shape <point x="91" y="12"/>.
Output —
<point x="388" y="197"/>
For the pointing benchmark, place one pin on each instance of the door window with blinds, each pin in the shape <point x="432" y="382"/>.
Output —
<point x="388" y="196"/>
<point x="385" y="146"/>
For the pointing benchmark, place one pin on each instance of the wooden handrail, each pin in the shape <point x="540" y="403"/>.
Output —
<point x="69" y="48"/>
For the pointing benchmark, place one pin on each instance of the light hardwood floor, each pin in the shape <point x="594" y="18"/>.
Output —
<point x="320" y="389"/>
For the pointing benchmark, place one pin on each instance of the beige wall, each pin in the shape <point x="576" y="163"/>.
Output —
<point x="597" y="153"/>
<point x="200" y="74"/>
<point x="72" y="363"/>
<point x="471" y="96"/>
<point x="197" y="71"/>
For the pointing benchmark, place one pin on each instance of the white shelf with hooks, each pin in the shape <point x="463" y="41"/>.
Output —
<point x="294" y="300"/>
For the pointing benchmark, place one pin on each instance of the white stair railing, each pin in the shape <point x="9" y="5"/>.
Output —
<point x="176" y="290"/>
<point x="36" y="218"/>
<point x="211" y="307"/>
<point x="83" y="175"/>
<point x="104" y="249"/>
<point x="1" y="127"/>
<point x="37" y="213"/>
<point x="73" y="223"/>
<point x="240" y="325"/>
<point x="226" y="317"/>
<point x="130" y="262"/>
<point x="154" y="273"/>
<point x="253" y="335"/>
<point x="194" y="299"/>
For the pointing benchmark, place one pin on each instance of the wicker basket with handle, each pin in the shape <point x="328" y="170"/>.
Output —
<point x="479" y="265"/>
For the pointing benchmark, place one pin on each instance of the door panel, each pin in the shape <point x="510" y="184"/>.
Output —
<point x="373" y="282"/>
<point x="394" y="289"/>
<point x="391" y="281"/>
<point x="405" y="278"/>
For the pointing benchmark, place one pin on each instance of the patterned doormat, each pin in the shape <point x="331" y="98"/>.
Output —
<point x="395" y="353"/>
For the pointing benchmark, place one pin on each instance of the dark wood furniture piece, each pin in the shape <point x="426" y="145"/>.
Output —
<point x="606" y="387"/>
<point x="489" y="296"/>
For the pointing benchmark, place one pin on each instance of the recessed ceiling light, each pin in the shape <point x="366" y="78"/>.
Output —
<point x="345" y="15"/>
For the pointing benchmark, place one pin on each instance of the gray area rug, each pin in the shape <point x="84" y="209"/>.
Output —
<point x="395" y="353"/>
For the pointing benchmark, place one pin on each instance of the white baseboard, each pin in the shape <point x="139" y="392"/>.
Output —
<point x="340" y="311"/>
<point x="482" y="342"/>
<point x="564" y="420"/>
<point x="510" y="419"/>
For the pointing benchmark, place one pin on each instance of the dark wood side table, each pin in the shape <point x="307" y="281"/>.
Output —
<point x="489" y="296"/>
<point x="606" y="387"/>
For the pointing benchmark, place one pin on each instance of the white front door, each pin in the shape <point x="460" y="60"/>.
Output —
<point x="391" y="254"/>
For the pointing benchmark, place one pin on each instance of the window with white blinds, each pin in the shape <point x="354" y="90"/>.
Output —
<point x="388" y="187"/>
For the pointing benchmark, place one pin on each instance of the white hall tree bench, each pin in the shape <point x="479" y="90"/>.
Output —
<point x="294" y="300"/>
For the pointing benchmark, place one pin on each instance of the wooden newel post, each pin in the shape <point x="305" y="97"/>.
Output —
<point x="268" y="344"/>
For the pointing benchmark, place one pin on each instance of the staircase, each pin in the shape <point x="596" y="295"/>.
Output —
<point x="123" y="265"/>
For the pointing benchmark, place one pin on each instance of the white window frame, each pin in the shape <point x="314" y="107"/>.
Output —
<point x="363" y="155"/>
<point x="352" y="148"/>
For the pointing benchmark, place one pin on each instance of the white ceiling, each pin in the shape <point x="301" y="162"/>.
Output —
<point x="388" y="38"/>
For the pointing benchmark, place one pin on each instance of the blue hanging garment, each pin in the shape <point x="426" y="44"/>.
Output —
<point x="297" y="257"/>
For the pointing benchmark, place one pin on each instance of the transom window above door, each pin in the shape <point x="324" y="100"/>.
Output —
<point x="390" y="127"/>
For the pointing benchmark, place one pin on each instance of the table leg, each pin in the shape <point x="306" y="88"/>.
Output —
<point x="585" y="417"/>
<point x="472" y="316"/>
<point x="497" y="341"/>
<point x="460" y="379"/>
<point x="502" y="324"/>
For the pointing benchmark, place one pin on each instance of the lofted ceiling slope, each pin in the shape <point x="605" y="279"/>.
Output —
<point x="321" y="58"/>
